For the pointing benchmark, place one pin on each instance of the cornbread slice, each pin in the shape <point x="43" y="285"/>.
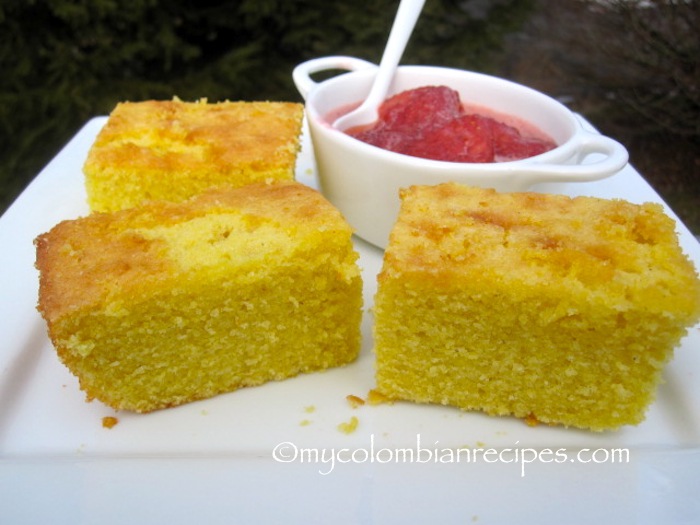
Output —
<point x="173" y="150"/>
<point x="159" y="305"/>
<point x="545" y="307"/>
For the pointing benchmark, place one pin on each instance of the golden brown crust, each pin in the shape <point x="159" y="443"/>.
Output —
<point x="76" y="271"/>
<point x="452" y="232"/>
<point x="201" y="134"/>
<point x="172" y="150"/>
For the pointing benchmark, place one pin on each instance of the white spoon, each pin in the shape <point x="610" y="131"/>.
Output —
<point x="404" y="22"/>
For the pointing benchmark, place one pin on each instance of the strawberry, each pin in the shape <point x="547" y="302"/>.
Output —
<point x="415" y="110"/>
<point x="510" y="145"/>
<point x="383" y="138"/>
<point x="430" y="122"/>
<point x="464" y="139"/>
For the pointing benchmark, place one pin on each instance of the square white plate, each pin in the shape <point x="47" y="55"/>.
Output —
<point x="274" y="453"/>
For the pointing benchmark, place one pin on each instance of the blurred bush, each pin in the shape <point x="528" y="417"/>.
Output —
<point x="632" y="67"/>
<point x="637" y="58"/>
<point x="65" y="61"/>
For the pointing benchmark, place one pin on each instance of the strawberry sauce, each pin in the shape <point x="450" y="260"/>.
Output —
<point x="431" y="122"/>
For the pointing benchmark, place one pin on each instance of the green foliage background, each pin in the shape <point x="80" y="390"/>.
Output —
<point x="632" y="68"/>
<point x="65" y="61"/>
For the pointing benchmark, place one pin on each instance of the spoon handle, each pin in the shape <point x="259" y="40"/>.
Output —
<point x="406" y="17"/>
<point x="401" y="30"/>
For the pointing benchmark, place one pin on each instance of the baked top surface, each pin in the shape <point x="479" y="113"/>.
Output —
<point x="455" y="234"/>
<point x="82" y="261"/>
<point x="173" y="134"/>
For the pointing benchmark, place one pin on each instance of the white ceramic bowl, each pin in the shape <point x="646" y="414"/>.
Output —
<point x="363" y="181"/>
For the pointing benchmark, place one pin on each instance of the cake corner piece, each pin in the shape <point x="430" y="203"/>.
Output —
<point x="168" y="303"/>
<point x="544" y="307"/>
<point x="172" y="150"/>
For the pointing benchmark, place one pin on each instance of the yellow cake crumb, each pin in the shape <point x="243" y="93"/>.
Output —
<point x="531" y="420"/>
<point x="374" y="397"/>
<point x="527" y="303"/>
<point x="310" y="409"/>
<point x="354" y="401"/>
<point x="304" y="423"/>
<point x="166" y="303"/>
<point x="350" y="426"/>
<point x="109" y="421"/>
<point x="173" y="150"/>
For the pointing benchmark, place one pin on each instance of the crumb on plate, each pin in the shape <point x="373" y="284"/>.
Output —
<point x="377" y="398"/>
<point x="350" y="426"/>
<point x="355" y="401"/>
<point x="109" y="421"/>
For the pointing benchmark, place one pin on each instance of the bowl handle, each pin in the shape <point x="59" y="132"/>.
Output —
<point x="614" y="158"/>
<point x="302" y="73"/>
